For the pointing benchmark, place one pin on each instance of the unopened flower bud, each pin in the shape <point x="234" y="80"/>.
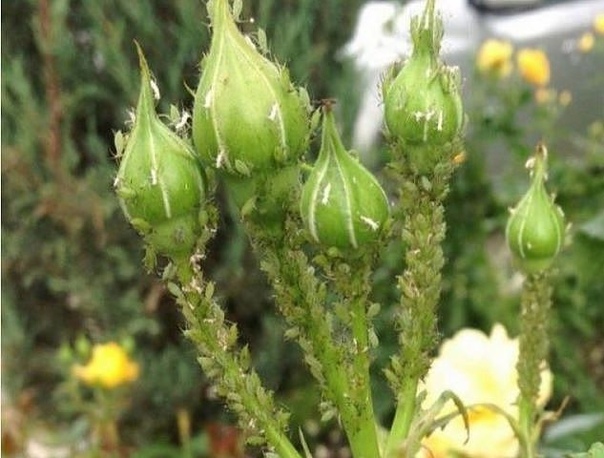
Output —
<point x="423" y="103"/>
<point x="160" y="182"/>
<point x="535" y="228"/>
<point x="342" y="204"/>
<point x="247" y="115"/>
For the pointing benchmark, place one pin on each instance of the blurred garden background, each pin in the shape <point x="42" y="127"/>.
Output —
<point x="73" y="284"/>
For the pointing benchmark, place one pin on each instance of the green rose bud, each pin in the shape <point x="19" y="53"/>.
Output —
<point x="342" y="204"/>
<point x="535" y="229"/>
<point x="423" y="103"/>
<point x="160" y="182"/>
<point x="247" y="114"/>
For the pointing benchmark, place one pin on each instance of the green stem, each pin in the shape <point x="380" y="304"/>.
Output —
<point x="224" y="363"/>
<point x="534" y="344"/>
<point x="405" y="411"/>
<point x="354" y="287"/>
<point x="420" y="285"/>
<point x="302" y="300"/>
<point x="526" y="421"/>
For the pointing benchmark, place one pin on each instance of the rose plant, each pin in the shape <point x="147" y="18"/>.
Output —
<point x="317" y="227"/>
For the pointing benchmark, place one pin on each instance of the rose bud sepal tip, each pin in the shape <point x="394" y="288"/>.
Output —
<point x="160" y="182"/>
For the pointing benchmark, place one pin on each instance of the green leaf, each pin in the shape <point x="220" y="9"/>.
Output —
<point x="595" y="451"/>
<point x="572" y="426"/>
<point x="594" y="227"/>
<point x="307" y="453"/>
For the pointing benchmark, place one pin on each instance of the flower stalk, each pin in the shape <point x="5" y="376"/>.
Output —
<point x="351" y="279"/>
<point x="420" y="285"/>
<point x="535" y="234"/>
<point x="302" y="299"/>
<point x="536" y="303"/>
<point x="226" y="365"/>
<point x="424" y="119"/>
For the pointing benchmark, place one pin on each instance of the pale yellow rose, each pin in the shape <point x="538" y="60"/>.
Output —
<point x="533" y="65"/>
<point x="495" y="58"/>
<point x="479" y="369"/>
<point x="108" y="367"/>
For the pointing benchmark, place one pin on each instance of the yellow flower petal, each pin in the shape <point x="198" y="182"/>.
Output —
<point x="495" y="58"/>
<point x="479" y="368"/>
<point x="599" y="24"/>
<point x="108" y="367"/>
<point x="586" y="42"/>
<point x="533" y="66"/>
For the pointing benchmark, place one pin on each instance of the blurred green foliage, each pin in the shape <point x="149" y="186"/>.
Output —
<point x="71" y="266"/>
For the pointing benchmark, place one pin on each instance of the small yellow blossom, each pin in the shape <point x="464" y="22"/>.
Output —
<point x="479" y="369"/>
<point x="599" y="24"/>
<point x="495" y="58"/>
<point x="586" y="42"/>
<point x="108" y="367"/>
<point x="533" y="66"/>
<point x="544" y="95"/>
<point x="565" y="98"/>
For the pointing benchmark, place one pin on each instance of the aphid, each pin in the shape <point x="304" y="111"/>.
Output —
<point x="119" y="141"/>
<point x="155" y="89"/>
<point x="237" y="8"/>
<point x="262" y="41"/>
<point x="183" y="122"/>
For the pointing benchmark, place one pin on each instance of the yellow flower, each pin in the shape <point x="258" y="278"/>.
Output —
<point x="533" y="66"/>
<point x="108" y="367"/>
<point x="479" y="369"/>
<point x="564" y="98"/>
<point x="599" y="24"/>
<point x="586" y="42"/>
<point x="495" y="58"/>
<point x="544" y="95"/>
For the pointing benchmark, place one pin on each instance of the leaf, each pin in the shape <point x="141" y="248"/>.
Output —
<point x="594" y="227"/>
<point x="438" y="406"/>
<point x="307" y="453"/>
<point x="573" y="425"/>
<point x="595" y="451"/>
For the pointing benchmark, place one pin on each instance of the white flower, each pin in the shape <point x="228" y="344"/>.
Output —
<point x="479" y="369"/>
<point x="377" y="41"/>
<point x="381" y="38"/>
